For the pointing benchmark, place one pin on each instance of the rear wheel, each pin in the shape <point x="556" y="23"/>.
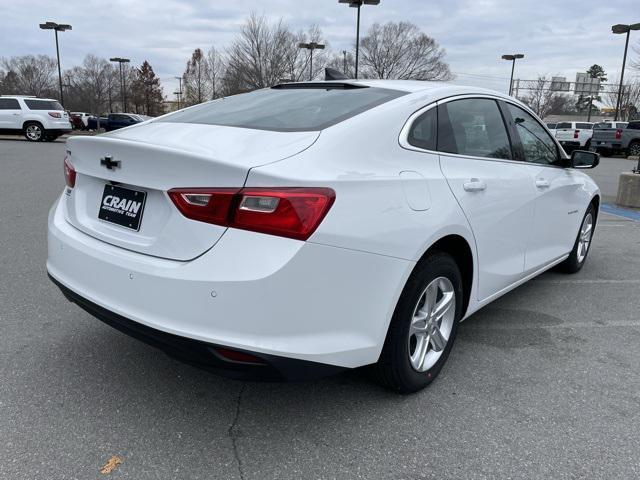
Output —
<point x="423" y="327"/>
<point x="34" y="132"/>
<point x="578" y="255"/>
<point x="634" y="149"/>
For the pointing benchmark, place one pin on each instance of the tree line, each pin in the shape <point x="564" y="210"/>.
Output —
<point x="262" y="54"/>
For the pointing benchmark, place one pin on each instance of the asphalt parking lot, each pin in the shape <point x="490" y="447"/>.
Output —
<point x="543" y="383"/>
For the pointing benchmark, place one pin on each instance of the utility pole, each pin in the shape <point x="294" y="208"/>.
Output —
<point x="123" y="83"/>
<point x="311" y="46"/>
<point x="619" y="29"/>
<point x="57" y="27"/>
<point x="179" y="90"/>
<point x="358" y="4"/>
<point x="344" y="61"/>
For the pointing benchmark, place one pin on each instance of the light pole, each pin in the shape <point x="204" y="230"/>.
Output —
<point x="618" y="29"/>
<point x="357" y="4"/>
<point x="311" y="46"/>
<point x="179" y="92"/>
<point x="512" y="58"/>
<point x="57" y="27"/>
<point x="344" y="62"/>
<point x="123" y="83"/>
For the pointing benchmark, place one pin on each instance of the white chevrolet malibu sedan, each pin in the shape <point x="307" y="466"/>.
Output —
<point x="307" y="228"/>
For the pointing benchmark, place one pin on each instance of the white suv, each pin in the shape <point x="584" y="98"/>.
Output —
<point x="38" y="119"/>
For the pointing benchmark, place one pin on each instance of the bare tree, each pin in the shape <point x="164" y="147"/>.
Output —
<point x="635" y="62"/>
<point x="260" y="56"/>
<point x="402" y="51"/>
<point x="299" y="60"/>
<point x="88" y="84"/>
<point x="541" y="99"/>
<point x="34" y="75"/>
<point x="215" y="72"/>
<point x="195" y="79"/>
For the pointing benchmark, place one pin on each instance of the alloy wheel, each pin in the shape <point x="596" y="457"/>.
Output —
<point x="431" y="324"/>
<point x="584" y="239"/>
<point x="34" y="132"/>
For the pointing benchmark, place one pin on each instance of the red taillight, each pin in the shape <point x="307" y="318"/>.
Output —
<point x="287" y="212"/>
<point x="575" y="134"/>
<point x="55" y="114"/>
<point x="619" y="134"/>
<point x="69" y="174"/>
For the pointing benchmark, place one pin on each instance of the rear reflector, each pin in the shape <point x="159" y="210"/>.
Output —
<point x="286" y="212"/>
<point x="69" y="173"/>
<point x="240" y="357"/>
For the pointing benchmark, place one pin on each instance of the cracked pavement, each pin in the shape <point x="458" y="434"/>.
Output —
<point x="543" y="383"/>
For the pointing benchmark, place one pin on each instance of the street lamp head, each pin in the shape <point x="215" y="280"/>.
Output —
<point x="513" y="57"/>
<point x="60" y="27"/>
<point x="620" y="28"/>
<point x="115" y="59"/>
<point x="311" y="46"/>
<point x="359" y="3"/>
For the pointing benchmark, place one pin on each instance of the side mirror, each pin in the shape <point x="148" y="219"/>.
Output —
<point x="584" y="159"/>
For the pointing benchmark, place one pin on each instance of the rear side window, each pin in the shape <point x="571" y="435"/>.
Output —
<point x="564" y="125"/>
<point x="634" y="125"/>
<point x="584" y="126"/>
<point x="423" y="133"/>
<point x="43" y="105"/>
<point x="287" y="109"/>
<point x="551" y="125"/>
<point x="537" y="144"/>
<point x="473" y="127"/>
<point x="9" y="104"/>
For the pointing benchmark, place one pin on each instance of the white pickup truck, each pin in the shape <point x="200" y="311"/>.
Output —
<point x="572" y="135"/>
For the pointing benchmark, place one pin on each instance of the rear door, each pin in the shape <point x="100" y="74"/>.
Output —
<point x="10" y="114"/>
<point x="560" y="200"/>
<point x="495" y="192"/>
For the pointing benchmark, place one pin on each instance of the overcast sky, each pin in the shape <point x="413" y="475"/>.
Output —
<point x="557" y="36"/>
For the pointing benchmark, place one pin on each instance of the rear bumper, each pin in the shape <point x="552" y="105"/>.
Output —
<point x="606" y="144"/>
<point x="202" y="354"/>
<point x="252" y="292"/>
<point x="570" y="144"/>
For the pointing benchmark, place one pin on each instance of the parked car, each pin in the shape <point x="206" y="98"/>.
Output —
<point x="120" y="120"/>
<point x="306" y="228"/>
<point x="619" y="138"/>
<point x="76" y="121"/>
<point x="84" y="118"/>
<point x="574" y="135"/>
<point x="92" y="122"/>
<point x="38" y="119"/>
<point x="552" y="128"/>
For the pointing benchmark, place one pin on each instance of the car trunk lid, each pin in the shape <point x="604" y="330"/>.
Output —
<point x="145" y="161"/>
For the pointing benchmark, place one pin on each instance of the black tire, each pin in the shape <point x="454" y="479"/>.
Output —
<point x="50" y="137"/>
<point x="34" y="131"/>
<point x="633" y="149"/>
<point x="575" y="261"/>
<point x="394" y="369"/>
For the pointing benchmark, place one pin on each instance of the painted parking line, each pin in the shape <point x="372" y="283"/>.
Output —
<point x="620" y="212"/>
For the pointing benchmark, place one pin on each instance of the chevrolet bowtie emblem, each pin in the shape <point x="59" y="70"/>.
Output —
<point x="110" y="163"/>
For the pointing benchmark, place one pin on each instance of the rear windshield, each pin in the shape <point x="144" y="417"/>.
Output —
<point x="286" y="109"/>
<point x="43" y="105"/>
<point x="584" y="126"/>
<point x="601" y="126"/>
<point x="563" y="125"/>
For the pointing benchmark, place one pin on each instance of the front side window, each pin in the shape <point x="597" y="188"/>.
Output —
<point x="9" y="104"/>
<point x="43" y="105"/>
<point x="473" y="127"/>
<point x="538" y="145"/>
<point x="287" y="108"/>
<point x="423" y="133"/>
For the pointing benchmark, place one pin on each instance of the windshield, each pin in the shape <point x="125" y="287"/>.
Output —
<point x="293" y="108"/>
<point x="43" y="105"/>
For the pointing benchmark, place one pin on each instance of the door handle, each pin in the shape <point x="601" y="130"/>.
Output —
<point x="16" y="114"/>
<point x="542" y="183"/>
<point x="474" y="185"/>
